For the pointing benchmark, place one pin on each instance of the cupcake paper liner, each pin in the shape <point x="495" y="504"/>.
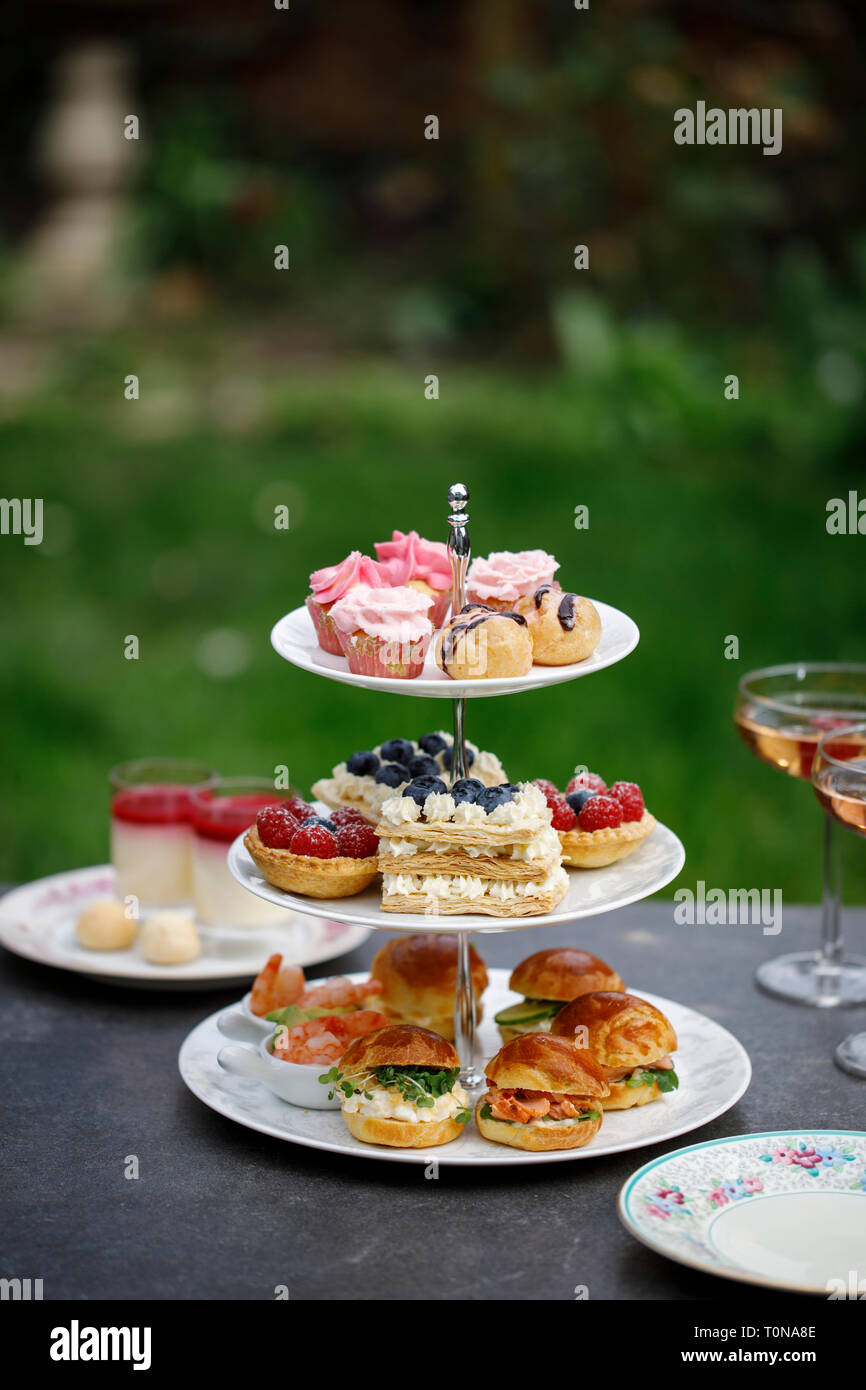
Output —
<point x="326" y="631"/>
<point x="374" y="656"/>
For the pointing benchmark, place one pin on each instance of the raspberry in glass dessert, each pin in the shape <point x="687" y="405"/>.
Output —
<point x="219" y="813"/>
<point x="151" y="837"/>
<point x="419" y="564"/>
<point x="508" y="575"/>
<point x="317" y="856"/>
<point x="597" y="824"/>
<point x="384" y="632"/>
<point x="334" y="582"/>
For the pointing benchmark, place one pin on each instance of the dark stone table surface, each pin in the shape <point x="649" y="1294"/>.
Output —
<point x="220" y="1212"/>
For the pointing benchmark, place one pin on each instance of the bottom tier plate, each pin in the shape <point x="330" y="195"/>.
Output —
<point x="590" y="892"/>
<point x="713" y="1068"/>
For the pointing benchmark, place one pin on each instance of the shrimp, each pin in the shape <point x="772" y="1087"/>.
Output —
<point x="322" y="1040"/>
<point x="338" y="993"/>
<point x="276" y="986"/>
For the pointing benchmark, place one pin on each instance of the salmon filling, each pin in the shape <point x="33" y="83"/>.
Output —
<point x="615" y="1074"/>
<point x="521" y="1107"/>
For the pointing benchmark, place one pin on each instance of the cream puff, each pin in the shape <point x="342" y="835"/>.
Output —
<point x="543" y="1093"/>
<point x="400" y="1086"/>
<point x="564" y="627"/>
<point x="549" y="980"/>
<point x="631" y="1039"/>
<point x="480" y="642"/>
<point x="105" y="926"/>
<point x="419" y="976"/>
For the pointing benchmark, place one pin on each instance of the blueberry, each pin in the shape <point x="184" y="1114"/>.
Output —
<point x="320" y="820"/>
<point x="432" y="743"/>
<point x="392" y="774"/>
<point x="467" y="789"/>
<point x="420" y="789"/>
<point x="577" y="800"/>
<point x="446" y="757"/>
<point x="491" y="797"/>
<point x="397" y="750"/>
<point x="422" y="765"/>
<point x="362" y="764"/>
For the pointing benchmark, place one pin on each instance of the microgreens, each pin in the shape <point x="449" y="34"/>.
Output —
<point x="416" y="1085"/>
<point x="665" y="1077"/>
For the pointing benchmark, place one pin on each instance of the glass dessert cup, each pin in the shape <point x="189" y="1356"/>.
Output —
<point x="781" y="714"/>
<point x="220" y="812"/>
<point x="150" y="828"/>
<point x="839" y="779"/>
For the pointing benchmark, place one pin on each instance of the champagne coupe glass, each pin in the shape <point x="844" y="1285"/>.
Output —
<point x="781" y="713"/>
<point x="839" y="779"/>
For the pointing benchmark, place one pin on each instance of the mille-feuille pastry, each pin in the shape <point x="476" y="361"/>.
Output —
<point x="549" y="980"/>
<point x="418" y="977"/>
<point x="481" y="643"/>
<point x="469" y="849"/>
<point x="400" y="1086"/>
<point x="367" y="779"/>
<point x="564" y="627"/>
<point x="597" y="824"/>
<point x="631" y="1039"/>
<point x="317" y="858"/>
<point x="543" y="1093"/>
<point x="505" y="576"/>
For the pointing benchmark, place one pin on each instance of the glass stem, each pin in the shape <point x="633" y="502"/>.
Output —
<point x="830" y="954"/>
<point x="464" y="1015"/>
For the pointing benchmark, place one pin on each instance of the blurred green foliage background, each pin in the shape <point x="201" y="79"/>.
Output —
<point x="558" y="388"/>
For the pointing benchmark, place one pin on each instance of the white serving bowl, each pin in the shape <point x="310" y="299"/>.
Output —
<point x="291" y="1081"/>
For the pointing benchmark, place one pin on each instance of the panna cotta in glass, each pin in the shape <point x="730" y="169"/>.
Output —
<point x="151" y="835"/>
<point x="220" y="812"/>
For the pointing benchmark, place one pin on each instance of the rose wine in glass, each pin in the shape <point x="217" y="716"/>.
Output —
<point x="781" y="714"/>
<point x="839" y="779"/>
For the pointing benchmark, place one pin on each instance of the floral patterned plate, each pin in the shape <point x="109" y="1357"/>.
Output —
<point x="785" y="1209"/>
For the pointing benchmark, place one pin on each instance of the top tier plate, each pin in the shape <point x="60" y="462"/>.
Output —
<point x="294" y="638"/>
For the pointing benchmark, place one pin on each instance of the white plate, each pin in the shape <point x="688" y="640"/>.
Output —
<point x="38" y="920"/>
<point x="294" y="638"/>
<point x="591" y="891"/>
<point x="786" y="1209"/>
<point x="713" y="1068"/>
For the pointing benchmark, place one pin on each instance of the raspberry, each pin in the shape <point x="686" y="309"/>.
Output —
<point x="299" y="808"/>
<point x="276" y="826"/>
<point x="563" y="816"/>
<point x="628" y="794"/>
<point x="316" y="841"/>
<point x="347" y="815"/>
<point x="544" y="786"/>
<point x="587" y="781"/>
<point x="600" y="813"/>
<point x="357" y="841"/>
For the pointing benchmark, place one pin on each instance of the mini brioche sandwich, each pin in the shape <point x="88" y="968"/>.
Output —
<point x="543" y="1093"/>
<point x="419" y="977"/>
<point x="631" y="1039"/>
<point x="550" y="980"/>
<point x="401" y="1086"/>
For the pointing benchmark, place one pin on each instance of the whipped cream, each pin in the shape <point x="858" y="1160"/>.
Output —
<point x="508" y="574"/>
<point x="469" y="886"/>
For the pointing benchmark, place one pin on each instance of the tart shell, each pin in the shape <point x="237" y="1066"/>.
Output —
<point x="593" y="849"/>
<point x="340" y="877"/>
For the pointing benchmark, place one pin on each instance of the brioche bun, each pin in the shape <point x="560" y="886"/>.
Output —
<point x="401" y="1134"/>
<point x="624" y="1097"/>
<point x="562" y="973"/>
<point x="621" y="1029"/>
<point x="419" y="978"/>
<point x="401" y="1045"/>
<point x="537" y="1137"/>
<point x="541" y="1062"/>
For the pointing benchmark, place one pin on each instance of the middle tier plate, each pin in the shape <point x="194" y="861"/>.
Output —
<point x="590" y="892"/>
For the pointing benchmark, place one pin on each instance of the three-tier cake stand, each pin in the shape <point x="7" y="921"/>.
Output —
<point x="591" y="891"/>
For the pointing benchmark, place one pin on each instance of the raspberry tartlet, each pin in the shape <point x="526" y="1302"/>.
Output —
<point x="332" y="583"/>
<point x="597" y="824"/>
<point x="384" y="632"/>
<point x="419" y="564"/>
<point x="313" y="856"/>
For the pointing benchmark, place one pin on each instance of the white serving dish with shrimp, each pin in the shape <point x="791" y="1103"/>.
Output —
<point x="279" y="985"/>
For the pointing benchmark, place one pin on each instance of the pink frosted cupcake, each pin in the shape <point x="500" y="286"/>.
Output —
<point x="384" y="632"/>
<point x="508" y="575"/>
<point x="333" y="583"/>
<point x="419" y="564"/>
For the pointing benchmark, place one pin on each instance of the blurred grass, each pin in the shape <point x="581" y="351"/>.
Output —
<point x="706" y="519"/>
